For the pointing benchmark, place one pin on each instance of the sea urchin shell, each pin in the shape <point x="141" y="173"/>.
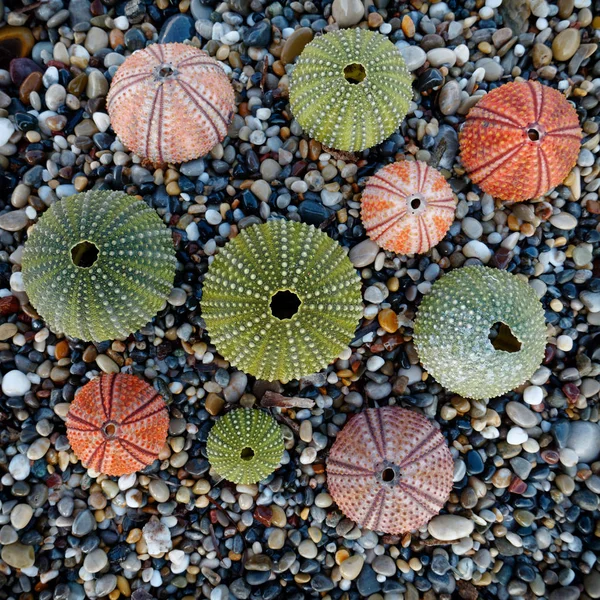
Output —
<point x="117" y="424"/>
<point x="350" y="89"/>
<point x="245" y="446"/>
<point x="390" y="470"/>
<point x="520" y="140"/>
<point x="98" y="265"/>
<point x="480" y="332"/>
<point x="407" y="207"/>
<point x="170" y="103"/>
<point x="281" y="300"/>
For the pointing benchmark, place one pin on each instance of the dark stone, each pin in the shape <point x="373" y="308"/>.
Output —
<point x="135" y="40"/>
<point x="429" y="80"/>
<point x="446" y="147"/>
<point x="474" y="463"/>
<point x="258" y="35"/>
<point x="177" y="28"/>
<point x="79" y="12"/>
<point x="313" y="212"/>
<point x="367" y="583"/>
<point x="21" y="68"/>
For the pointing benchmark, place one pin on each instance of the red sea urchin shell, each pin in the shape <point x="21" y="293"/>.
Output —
<point x="117" y="424"/>
<point x="520" y="140"/>
<point x="170" y="103"/>
<point x="390" y="470"/>
<point x="407" y="207"/>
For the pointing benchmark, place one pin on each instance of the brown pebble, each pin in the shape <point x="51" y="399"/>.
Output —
<point x="89" y="354"/>
<point x="295" y="44"/>
<point x="214" y="404"/>
<point x="374" y="20"/>
<point x="61" y="350"/>
<point x="408" y="27"/>
<point x="32" y="83"/>
<point x="388" y="320"/>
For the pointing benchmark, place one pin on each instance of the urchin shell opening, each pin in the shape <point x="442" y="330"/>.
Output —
<point x="355" y="73"/>
<point x="534" y="133"/>
<point x="388" y="473"/>
<point x="503" y="339"/>
<point x="109" y="430"/>
<point x="165" y="71"/>
<point x="247" y="453"/>
<point x="84" y="254"/>
<point x="284" y="304"/>
<point x="416" y="203"/>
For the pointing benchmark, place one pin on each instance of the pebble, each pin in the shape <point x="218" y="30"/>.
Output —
<point x="18" y="556"/>
<point x="450" y="527"/>
<point x="350" y="569"/>
<point x="364" y="253"/>
<point x="157" y="537"/>
<point x="6" y="130"/>
<point x="95" y="561"/>
<point x="565" y="44"/>
<point x="584" y="439"/>
<point x="347" y="12"/>
<point x="15" y="384"/>
<point x="521" y="415"/>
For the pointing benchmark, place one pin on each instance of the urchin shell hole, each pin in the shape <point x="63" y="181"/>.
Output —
<point x="533" y="134"/>
<point x="388" y="475"/>
<point x="354" y="73"/>
<point x="284" y="304"/>
<point x="247" y="453"/>
<point x="109" y="429"/>
<point x="166" y="70"/>
<point x="84" y="254"/>
<point x="503" y="338"/>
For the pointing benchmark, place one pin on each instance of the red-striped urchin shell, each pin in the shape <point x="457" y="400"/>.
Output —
<point x="390" y="470"/>
<point x="117" y="424"/>
<point x="520" y="140"/>
<point x="407" y="207"/>
<point x="170" y="103"/>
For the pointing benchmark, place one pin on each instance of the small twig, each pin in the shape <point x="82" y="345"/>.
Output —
<point x="274" y="399"/>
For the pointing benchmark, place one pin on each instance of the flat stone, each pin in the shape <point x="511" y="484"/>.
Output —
<point x="347" y="12"/>
<point x="450" y="527"/>
<point x="364" y="253"/>
<point x="293" y="46"/>
<point x="18" y="556"/>
<point x="584" y="440"/>
<point x="521" y="415"/>
<point x="414" y="57"/>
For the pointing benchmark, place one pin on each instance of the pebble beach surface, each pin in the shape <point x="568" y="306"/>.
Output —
<point x="523" y="519"/>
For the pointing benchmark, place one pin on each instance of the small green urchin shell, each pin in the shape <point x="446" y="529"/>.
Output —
<point x="126" y="265"/>
<point x="256" y="277"/>
<point x="453" y="324"/>
<point x="245" y="446"/>
<point x="344" y="115"/>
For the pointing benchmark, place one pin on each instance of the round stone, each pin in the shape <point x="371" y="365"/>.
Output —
<point x="15" y="384"/>
<point x="450" y="527"/>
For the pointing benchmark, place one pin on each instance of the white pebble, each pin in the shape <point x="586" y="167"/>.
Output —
<point x="15" y="384"/>
<point x="564" y="343"/>
<point x="516" y="436"/>
<point x="533" y="395"/>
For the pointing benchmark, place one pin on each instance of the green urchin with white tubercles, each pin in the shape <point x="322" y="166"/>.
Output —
<point x="350" y="89"/>
<point x="480" y="332"/>
<point x="281" y="300"/>
<point x="245" y="446"/>
<point x="98" y="265"/>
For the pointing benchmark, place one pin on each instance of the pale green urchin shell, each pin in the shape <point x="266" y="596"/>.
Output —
<point x="281" y="300"/>
<point x="245" y="446"/>
<point x="453" y="325"/>
<point x="350" y="89"/>
<point x="98" y="265"/>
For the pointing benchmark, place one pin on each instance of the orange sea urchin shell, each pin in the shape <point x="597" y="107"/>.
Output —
<point x="170" y="103"/>
<point x="520" y="140"/>
<point x="407" y="207"/>
<point x="390" y="470"/>
<point x="117" y="424"/>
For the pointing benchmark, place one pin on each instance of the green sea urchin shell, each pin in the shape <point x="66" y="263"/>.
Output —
<point x="350" y="89"/>
<point x="245" y="446"/>
<point x="98" y="265"/>
<point x="281" y="300"/>
<point x="453" y="326"/>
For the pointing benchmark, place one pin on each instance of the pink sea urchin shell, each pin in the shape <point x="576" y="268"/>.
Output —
<point x="390" y="470"/>
<point x="407" y="207"/>
<point x="170" y="103"/>
<point x="520" y="140"/>
<point x="117" y="424"/>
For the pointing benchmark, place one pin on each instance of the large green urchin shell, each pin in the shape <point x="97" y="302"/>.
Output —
<point x="245" y="446"/>
<point x="453" y="326"/>
<point x="98" y="265"/>
<point x="350" y="89"/>
<point x="281" y="300"/>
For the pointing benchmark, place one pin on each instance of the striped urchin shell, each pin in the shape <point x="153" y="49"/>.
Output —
<point x="350" y="89"/>
<point x="520" y="140"/>
<point x="170" y="103"/>
<point x="117" y="424"/>
<point x="454" y="323"/>
<point x="245" y="446"/>
<point x="407" y="207"/>
<point x="281" y="300"/>
<point x="390" y="470"/>
<point x="98" y="265"/>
